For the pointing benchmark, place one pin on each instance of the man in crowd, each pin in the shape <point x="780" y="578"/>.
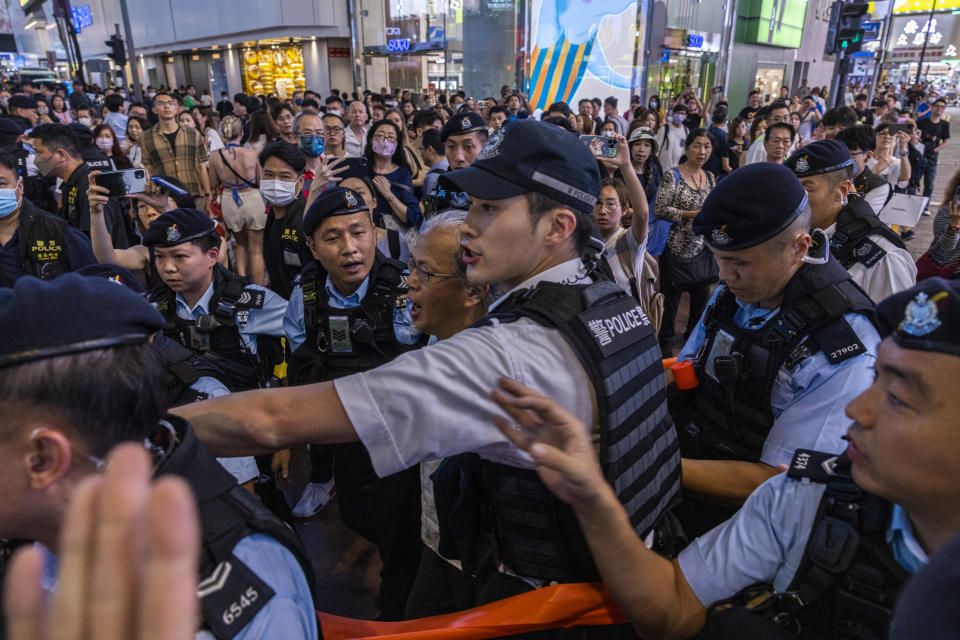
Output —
<point x="809" y="118"/>
<point x="861" y="140"/>
<point x="111" y="389"/>
<point x="355" y="137"/>
<point x="169" y="149"/>
<point x="610" y="115"/>
<point x="836" y="120"/>
<point x="463" y="136"/>
<point x="784" y="344"/>
<point x="925" y="108"/>
<point x="116" y="119"/>
<point x="777" y="112"/>
<point x="874" y="255"/>
<point x="888" y="503"/>
<point x="778" y="139"/>
<point x="285" y="251"/>
<point x="498" y="117"/>
<point x="934" y="134"/>
<point x="753" y="105"/>
<point x="864" y="115"/>
<point x="23" y="109"/>
<point x="585" y="108"/>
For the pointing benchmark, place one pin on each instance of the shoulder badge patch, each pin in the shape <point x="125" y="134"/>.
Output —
<point x="868" y="252"/>
<point x="230" y="597"/>
<point x="251" y="299"/>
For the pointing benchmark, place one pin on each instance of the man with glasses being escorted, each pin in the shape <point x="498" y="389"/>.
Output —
<point x="349" y="313"/>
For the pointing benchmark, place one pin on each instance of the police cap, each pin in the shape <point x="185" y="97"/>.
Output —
<point x="48" y="318"/>
<point x="114" y="273"/>
<point x="176" y="227"/>
<point x="10" y="127"/>
<point x="463" y="123"/>
<point x="18" y="101"/>
<point x="529" y="155"/>
<point x="750" y="206"/>
<point x="821" y="156"/>
<point x="335" y="201"/>
<point x="925" y="317"/>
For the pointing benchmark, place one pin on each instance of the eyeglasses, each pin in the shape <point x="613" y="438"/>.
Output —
<point x="380" y="137"/>
<point x="334" y="130"/>
<point x="424" y="274"/>
<point x="165" y="103"/>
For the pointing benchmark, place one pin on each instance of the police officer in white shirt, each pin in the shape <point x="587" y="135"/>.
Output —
<point x="533" y="190"/>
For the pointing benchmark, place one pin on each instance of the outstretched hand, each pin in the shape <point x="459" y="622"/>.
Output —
<point x="128" y="561"/>
<point x="559" y="443"/>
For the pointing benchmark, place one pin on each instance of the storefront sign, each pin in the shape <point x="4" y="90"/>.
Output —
<point x="338" y="52"/>
<point x="691" y="40"/>
<point x="397" y="45"/>
<point x="81" y="17"/>
<point x="942" y="36"/>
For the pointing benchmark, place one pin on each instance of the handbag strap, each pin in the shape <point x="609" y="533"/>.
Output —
<point x="242" y="179"/>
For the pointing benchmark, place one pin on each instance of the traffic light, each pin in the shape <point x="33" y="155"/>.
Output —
<point x="849" y="34"/>
<point x="118" y="52"/>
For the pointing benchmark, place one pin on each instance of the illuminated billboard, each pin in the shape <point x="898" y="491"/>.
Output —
<point x="776" y="23"/>
<point x="903" y="6"/>
<point x="581" y="48"/>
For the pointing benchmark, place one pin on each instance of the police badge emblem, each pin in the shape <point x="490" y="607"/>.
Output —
<point x="466" y="123"/>
<point x="350" y="198"/>
<point x="492" y="148"/>
<point x="173" y="234"/>
<point x="802" y="165"/>
<point x="920" y="316"/>
<point x="720" y="236"/>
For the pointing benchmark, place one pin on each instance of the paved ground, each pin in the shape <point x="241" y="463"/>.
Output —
<point x="348" y="566"/>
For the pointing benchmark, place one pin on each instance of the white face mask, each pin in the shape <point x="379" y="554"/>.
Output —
<point x="278" y="192"/>
<point x="87" y="122"/>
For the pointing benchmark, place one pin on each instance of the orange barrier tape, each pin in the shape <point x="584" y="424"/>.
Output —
<point x="668" y="362"/>
<point x="556" y="607"/>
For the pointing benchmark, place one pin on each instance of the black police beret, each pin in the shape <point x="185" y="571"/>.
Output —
<point x="335" y="201"/>
<point x="924" y="317"/>
<point x="463" y="123"/>
<point x="176" y="227"/>
<point x="750" y="206"/>
<point x="10" y="127"/>
<point x="48" y="318"/>
<point x="113" y="273"/>
<point x="18" y="101"/>
<point x="529" y="155"/>
<point x="820" y="156"/>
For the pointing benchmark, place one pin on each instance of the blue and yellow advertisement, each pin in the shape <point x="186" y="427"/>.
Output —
<point x="581" y="49"/>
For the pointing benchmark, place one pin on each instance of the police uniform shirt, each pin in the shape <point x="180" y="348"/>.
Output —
<point x="76" y="247"/>
<point x="892" y="272"/>
<point x="295" y="330"/>
<point x="244" y="469"/>
<point x="435" y="401"/>
<point x="808" y="401"/>
<point x="289" y="614"/>
<point x="765" y="541"/>
<point x="265" y="321"/>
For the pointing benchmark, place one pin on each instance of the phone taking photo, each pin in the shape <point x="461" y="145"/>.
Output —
<point x="601" y="146"/>
<point x="123" y="182"/>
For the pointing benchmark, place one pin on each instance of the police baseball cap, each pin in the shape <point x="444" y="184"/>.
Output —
<point x="750" y="206"/>
<point x="176" y="227"/>
<point x="48" y="318"/>
<point x="463" y="123"/>
<point x="820" y="156"/>
<point x="529" y="155"/>
<point x="925" y="317"/>
<point x="18" y="101"/>
<point x="335" y="201"/>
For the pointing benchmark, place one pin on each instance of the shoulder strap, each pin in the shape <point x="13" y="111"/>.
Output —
<point x="393" y="240"/>
<point x="223" y="158"/>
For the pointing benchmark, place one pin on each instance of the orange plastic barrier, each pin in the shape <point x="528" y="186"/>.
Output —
<point x="668" y="362"/>
<point x="556" y="607"/>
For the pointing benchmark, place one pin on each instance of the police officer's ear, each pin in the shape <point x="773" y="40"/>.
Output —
<point x="48" y="457"/>
<point x="559" y="225"/>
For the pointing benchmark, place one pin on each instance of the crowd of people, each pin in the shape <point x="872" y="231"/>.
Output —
<point x="462" y="309"/>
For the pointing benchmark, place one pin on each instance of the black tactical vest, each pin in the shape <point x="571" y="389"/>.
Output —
<point x="847" y="581"/>
<point x="230" y="593"/>
<point x="525" y="527"/>
<point x="216" y="336"/>
<point x="340" y="342"/>
<point x="183" y="367"/>
<point x="737" y="367"/>
<point x="286" y="258"/>
<point x="42" y="239"/>
<point x="866" y="181"/>
<point x="851" y="241"/>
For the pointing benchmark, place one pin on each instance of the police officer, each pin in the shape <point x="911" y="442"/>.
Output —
<point x="255" y="578"/>
<point x="33" y="241"/>
<point x="23" y="109"/>
<point x="833" y="539"/>
<point x="861" y="140"/>
<point x="92" y="156"/>
<point x="874" y="255"/>
<point x="463" y="137"/>
<point x="209" y="309"/>
<point x="532" y="192"/>
<point x="35" y="188"/>
<point x="349" y="313"/>
<point x="783" y="345"/>
<point x="189" y="377"/>
<point x="281" y="185"/>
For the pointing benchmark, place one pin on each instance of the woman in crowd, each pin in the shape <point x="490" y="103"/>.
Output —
<point x="585" y="124"/>
<point x="686" y="265"/>
<point x="646" y="164"/>
<point x="135" y="128"/>
<point x="207" y="123"/>
<point x="107" y="142"/>
<point x="757" y="129"/>
<point x="236" y="168"/>
<point x="262" y="131"/>
<point x="391" y="176"/>
<point x="60" y="110"/>
<point x="417" y="170"/>
<point x="943" y="256"/>
<point x="283" y="116"/>
<point x="885" y="161"/>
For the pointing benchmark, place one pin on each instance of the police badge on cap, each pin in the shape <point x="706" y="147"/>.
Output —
<point x="492" y="148"/>
<point x="920" y="316"/>
<point x="466" y="123"/>
<point x="350" y="198"/>
<point x="173" y="234"/>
